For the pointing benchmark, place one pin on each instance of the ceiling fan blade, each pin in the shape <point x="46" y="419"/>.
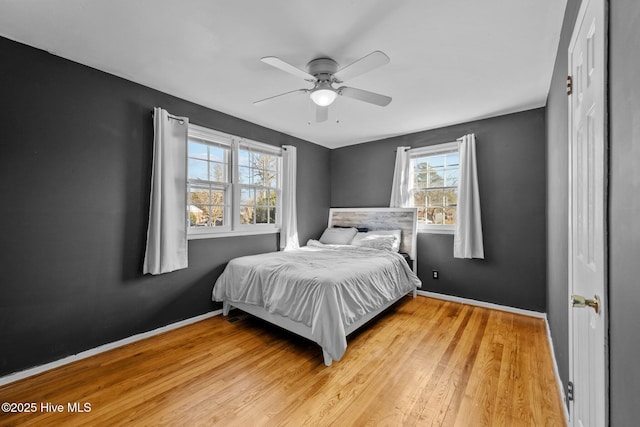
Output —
<point x="266" y="100"/>
<point x="363" y="95"/>
<point x="286" y="67"/>
<point x="322" y="113"/>
<point x="373" y="60"/>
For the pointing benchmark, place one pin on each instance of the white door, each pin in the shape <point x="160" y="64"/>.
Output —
<point x="587" y="227"/>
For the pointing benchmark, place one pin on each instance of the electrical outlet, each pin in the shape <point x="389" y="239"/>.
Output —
<point x="435" y="274"/>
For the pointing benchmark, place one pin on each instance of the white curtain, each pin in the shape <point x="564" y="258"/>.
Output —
<point x="400" y="186"/>
<point x="167" y="232"/>
<point x="467" y="242"/>
<point x="289" y="230"/>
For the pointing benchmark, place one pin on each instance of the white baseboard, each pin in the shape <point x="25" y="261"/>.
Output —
<point x="556" y="371"/>
<point x="101" y="349"/>
<point x="483" y="304"/>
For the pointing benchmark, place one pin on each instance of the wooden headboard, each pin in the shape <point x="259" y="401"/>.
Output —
<point x="405" y="219"/>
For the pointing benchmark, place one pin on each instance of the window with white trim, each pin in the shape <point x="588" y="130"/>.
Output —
<point x="233" y="184"/>
<point x="433" y="186"/>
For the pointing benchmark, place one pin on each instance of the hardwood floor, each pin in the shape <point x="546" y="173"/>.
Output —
<point x="424" y="362"/>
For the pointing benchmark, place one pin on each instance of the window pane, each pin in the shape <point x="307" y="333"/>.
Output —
<point x="244" y="175"/>
<point x="421" y="179"/>
<point x="262" y="215"/>
<point x="217" y="216"/>
<point x="435" y="161"/>
<point x="247" y="215"/>
<point x="247" y="196"/>
<point x="273" y="198"/>
<point x="243" y="157"/>
<point x="435" y="216"/>
<point x="257" y="160"/>
<point x="436" y="177"/>
<point x="218" y="154"/>
<point x="206" y="216"/>
<point x="452" y="159"/>
<point x="451" y="177"/>
<point x="262" y="198"/>
<point x="449" y="215"/>
<point x="272" y="215"/>
<point x="197" y="150"/>
<point x="206" y="206"/>
<point x="257" y="175"/>
<point x="197" y="169"/>
<point x="422" y="212"/>
<point x="420" y="164"/>
<point x="272" y="163"/>
<point x="419" y="198"/>
<point x="434" y="198"/>
<point x="269" y="178"/>
<point x="218" y="172"/>
<point x="199" y="195"/>
<point x="217" y="197"/>
<point x="451" y="197"/>
<point x="198" y="215"/>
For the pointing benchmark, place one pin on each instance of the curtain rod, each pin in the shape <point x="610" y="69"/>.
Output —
<point x="171" y="116"/>
<point x="410" y="148"/>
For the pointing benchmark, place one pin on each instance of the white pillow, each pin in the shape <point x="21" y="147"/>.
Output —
<point x="377" y="234"/>
<point x="384" y="243"/>
<point x="338" y="236"/>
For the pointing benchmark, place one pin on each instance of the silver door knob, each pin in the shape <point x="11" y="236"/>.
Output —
<point x="580" y="301"/>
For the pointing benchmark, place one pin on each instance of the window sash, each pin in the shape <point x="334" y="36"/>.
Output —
<point x="440" y="211"/>
<point x="241" y="208"/>
<point x="199" y="209"/>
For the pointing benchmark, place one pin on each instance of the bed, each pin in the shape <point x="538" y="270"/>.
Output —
<point x="329" y="288"/>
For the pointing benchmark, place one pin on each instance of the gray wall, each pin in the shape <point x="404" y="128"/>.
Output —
<point x="624" y="211"/>
<point x="623" y="203"/>
<point x="512" y="179"/>
<point x="75" y="167"/>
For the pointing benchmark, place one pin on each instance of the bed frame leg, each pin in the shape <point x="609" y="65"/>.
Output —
<point x="327" y="358"/>
<point x="415" y="293"/>
<point x="225" y="308"/>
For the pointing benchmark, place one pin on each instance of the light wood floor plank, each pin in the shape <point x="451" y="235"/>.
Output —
<point x="424" y="362"/>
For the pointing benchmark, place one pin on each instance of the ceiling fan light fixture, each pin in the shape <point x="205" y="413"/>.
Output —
<point x="323" y="95"/>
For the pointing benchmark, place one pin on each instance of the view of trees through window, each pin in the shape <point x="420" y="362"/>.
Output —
<point x="434" y="188"/>
<point x="258" y="177"/>
<point x="210" y="184"/>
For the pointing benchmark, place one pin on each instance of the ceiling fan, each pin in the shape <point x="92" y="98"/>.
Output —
<point x="324" y="73"/>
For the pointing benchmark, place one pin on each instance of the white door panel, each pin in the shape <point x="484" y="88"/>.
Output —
<point x="587" y="256"/>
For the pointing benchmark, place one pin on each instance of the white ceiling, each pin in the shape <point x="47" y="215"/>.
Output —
<point x="451" y="61"/>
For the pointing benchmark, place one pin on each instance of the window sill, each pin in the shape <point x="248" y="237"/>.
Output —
<point x="451" y="231"/>
<point x="236" y="233"/>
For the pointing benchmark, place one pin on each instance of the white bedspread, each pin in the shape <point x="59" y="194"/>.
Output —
<point x="326" y="287"/>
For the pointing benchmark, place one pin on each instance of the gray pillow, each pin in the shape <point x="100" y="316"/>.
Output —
<point x="338" y="236"/>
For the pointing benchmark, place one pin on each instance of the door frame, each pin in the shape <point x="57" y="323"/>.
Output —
<point x="605" y="130"/>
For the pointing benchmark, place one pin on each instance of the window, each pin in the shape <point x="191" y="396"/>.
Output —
<point x="209" y="188"/>
<point x="233" y="184"/>
<point x="433" y="186"/>
<point x="259" y="178"/>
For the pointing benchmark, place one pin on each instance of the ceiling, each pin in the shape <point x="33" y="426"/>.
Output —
<point x="451" y="61"/>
